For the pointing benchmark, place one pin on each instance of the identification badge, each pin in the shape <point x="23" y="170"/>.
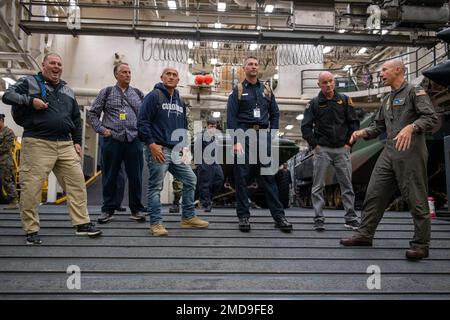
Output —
<point x="122" y="116"/>
<point x="256" y="113"/>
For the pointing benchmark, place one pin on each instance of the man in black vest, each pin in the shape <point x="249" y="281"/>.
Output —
<point x="329" y="122"/>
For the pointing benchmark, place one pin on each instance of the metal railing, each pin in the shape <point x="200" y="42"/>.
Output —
<point x="361" y="80"/>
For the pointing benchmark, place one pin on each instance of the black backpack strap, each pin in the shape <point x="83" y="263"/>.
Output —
<point x="266" y="88"/>
<point x="139" y="93"/>
<point x="107" y="94"/>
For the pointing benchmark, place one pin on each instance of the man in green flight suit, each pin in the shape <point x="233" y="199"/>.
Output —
<point x="406" y="114"/>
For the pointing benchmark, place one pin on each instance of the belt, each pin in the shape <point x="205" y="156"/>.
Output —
<point x="253" y="126"/>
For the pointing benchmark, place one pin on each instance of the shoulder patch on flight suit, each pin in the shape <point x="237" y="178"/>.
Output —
<point x="339" y="101"/>
<point x="420" y="92"/>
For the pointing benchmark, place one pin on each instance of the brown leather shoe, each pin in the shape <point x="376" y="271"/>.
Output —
<point x="416" y="253"/>
<point x="359" y="241"/>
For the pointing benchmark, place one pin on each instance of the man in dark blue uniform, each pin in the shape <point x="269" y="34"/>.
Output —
<point x="252" y="108"/>
<point x="210" y="174"/>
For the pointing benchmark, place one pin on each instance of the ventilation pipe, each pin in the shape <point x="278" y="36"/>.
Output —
<point x="252" y="4"/>
<point x="424" y="14"/>
<point x="417" y="14"/>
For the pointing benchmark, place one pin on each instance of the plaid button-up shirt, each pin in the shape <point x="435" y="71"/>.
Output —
<point x="119" y="115"/>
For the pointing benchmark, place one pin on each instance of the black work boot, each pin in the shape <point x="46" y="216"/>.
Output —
<point x="283" y="224"/>
<point x="244" y="224"/>
<point x="175" y="208"/>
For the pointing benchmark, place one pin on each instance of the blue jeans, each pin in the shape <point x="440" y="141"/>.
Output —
<point x="157" y="172"/>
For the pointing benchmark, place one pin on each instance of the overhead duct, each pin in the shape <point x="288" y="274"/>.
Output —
<point x="435" y="3"/>
<point x="252" y="4"/>
<point x="246" y="4"/>
<point x="417" y="14"/>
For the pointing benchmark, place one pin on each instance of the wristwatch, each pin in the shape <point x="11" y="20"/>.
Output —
<point x="415" y="127"/>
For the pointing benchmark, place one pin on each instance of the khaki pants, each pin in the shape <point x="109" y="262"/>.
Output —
<point x="37" y="159"/>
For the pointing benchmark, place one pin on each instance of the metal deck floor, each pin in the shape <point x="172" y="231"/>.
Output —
<point x="219" y="262"/>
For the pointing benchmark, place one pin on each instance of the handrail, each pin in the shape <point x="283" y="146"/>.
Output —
<point x="432" y="51"/>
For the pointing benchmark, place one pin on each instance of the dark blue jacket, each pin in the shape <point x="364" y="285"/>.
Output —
<point x="158" y="119"/>
<point x="203" y="140"/>
<point x="241" y="111"/>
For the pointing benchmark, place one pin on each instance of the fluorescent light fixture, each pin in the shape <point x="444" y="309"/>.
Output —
<point x="47" y="19"/>
<point x="362" y="50"/>
<point x="276" y="76"/>
<point x="172" y="4"/>
<point x="269" y="8"/>
<point x="289" y="127"/>
<point x="215" y="44"/>
<point x="214" y="60"/>
<point x="253" y="46"/>
<point x="327" y="49"/>
<point x="217" y="25"/>
<point x="299" y="117"/>
<point x="383" y="32"/>
<point x="190" y="44"/>
<point x="221" y="6"/>
<point x="341" y="30"/>
<point x="258" y="27"/>
<point x="190" y="61"/>
<point x="347" y="67"/>
<point x="216" y="114"/>
<point x="9" y="80"/>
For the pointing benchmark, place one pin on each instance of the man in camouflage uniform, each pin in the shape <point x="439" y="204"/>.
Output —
<point x="7" y="177"/>
<point x="406" y="114"/>
<point x="177" y="185"/>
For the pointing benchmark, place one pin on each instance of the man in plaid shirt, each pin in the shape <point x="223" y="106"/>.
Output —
<point x="120" y="107"/>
